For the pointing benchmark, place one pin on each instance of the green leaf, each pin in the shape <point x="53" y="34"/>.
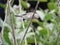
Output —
<point x="38" y="38"/>
<point x="5" y="35"/>
<point x="25" y="23"/>
<point x="41" y="24"/>
<point x="37" y="21"/>
<point x="51" y="6"/>
<point x="43" y="31"/>
<point x="24" y="4"/>
<point x="30" y="39"/>
<point x="14" y="19"/>
<point x="3" y="5"/>
<point x="57" y="19"/>
<point x="30" y="34"/>
<point x="48" y="17"/>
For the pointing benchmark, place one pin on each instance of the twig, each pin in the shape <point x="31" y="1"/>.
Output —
<point x="35" y="36"/>
<point x="30" y="22"/>
<point x="11" y="21"/>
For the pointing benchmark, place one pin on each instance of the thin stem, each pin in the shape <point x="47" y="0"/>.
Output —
<point x="11" y="21"/>
<point x="26" y="41"/>
<point x="30" y="22"/>
<point x="35" y="36"/>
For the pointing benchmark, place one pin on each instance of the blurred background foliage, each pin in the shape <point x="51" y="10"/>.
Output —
<point x="44" y="28"/>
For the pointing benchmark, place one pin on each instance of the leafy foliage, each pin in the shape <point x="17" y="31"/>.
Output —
<point x="6" y="36"/>
<point x="46" y="33"/>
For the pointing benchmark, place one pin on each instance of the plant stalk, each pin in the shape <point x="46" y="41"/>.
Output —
<point x="11" y="21"/>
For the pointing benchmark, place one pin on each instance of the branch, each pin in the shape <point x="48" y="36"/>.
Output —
<point x="30" y="22"/>
<point x="11" y="21"/>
